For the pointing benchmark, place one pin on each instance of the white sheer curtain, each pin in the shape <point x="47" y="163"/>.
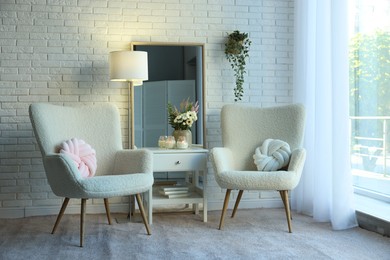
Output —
<point x="321" y="84"/>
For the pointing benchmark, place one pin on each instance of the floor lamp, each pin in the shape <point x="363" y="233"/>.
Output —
<point x="132" y="67"/>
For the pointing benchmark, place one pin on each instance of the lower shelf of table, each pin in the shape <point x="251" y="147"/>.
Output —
<point x="195" y="196"/>
<point x="195" y="199"/>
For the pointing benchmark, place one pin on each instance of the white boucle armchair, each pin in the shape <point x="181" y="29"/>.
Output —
<point x="119" y="172"/>
<point x="244" y="128"/>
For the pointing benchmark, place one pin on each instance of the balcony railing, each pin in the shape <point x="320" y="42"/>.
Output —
<point x="370" y="156"/>
<point x="371" y="147"/>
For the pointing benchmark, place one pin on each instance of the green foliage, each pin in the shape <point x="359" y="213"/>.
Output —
<point x="369" y="81"/>
<point x="370" y="74"/>
<point x="236" y="51"/>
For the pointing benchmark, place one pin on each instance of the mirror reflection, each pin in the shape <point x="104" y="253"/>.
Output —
<point x="176" y="73"/>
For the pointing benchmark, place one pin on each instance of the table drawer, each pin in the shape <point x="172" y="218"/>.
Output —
<point x="179" y="162"/>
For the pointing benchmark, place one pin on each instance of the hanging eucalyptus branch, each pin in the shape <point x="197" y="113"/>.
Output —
<point x="236" y="51"/>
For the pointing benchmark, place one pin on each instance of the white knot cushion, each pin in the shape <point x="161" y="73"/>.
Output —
<point x="272" y="155"/>
<point x="82" y="154"/>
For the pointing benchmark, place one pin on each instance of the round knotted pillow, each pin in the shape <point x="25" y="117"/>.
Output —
<point x="272" y="155"/>
<point x="82" y="155"/>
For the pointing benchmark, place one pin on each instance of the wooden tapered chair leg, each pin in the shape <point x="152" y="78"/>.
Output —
<point x="142" y="210"/>
<point x="284" y="195"/>
<point x="60" y="214"/>
<point x="225" y="205"/>
<point x="281" y="195"/>
<point x="82" y="218"/>
<point x="284" y="202"/>
<point x="237" y="202"/>
<point x="107" y="206"/>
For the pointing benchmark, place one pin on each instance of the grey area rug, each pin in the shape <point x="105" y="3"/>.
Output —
<point x="252" y="234"/>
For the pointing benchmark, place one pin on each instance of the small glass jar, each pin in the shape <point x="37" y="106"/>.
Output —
<point x="162" y="141"/>
<point x="170" y="142"/>
<point x="182" y="142"/>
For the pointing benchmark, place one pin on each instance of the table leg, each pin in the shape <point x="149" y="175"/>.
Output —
<point x="195" y="208"/>
<point x="150" y="206"/>
<point x="204" y="175"/>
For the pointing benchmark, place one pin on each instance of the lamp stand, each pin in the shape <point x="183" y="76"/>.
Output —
<point x="131" y="115"/>
<point x="131" y="138"/>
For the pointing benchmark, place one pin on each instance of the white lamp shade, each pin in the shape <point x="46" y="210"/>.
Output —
<point x="129" y="66"/>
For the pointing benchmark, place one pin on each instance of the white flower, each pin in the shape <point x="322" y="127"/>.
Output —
<point x="189" y="122"/>
<point x="184" y="118"/>
<point x="179" y="119"/>
<point x="192" y="115"/>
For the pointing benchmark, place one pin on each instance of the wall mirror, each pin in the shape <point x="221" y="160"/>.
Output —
<point x="176" y="72"/>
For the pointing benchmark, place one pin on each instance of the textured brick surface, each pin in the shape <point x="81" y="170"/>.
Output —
<point x="57" y="51"/>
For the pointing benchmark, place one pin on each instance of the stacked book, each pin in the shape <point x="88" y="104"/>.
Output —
<point x="174" y="191"/>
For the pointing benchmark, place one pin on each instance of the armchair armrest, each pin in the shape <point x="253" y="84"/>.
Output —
<point x="133" y="161"/>
<point x="222" y="159"/>
<point x="62" y="175"/>
<point x="297" y="160"/>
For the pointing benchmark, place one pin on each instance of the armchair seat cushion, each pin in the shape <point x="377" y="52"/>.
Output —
<point x="229" y="177"/>
<point x="116" y="185"/>
<point x="258" y="180"/>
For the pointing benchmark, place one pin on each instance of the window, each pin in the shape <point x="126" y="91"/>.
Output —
<point x="370" y="97"/>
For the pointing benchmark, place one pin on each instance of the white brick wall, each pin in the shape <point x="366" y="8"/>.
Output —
<point x="57" y="51"/>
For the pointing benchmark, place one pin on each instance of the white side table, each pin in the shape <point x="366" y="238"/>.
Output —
<point x="192" y="160"/>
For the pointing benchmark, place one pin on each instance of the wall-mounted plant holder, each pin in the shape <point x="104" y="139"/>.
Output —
<point x="236" y="51"/>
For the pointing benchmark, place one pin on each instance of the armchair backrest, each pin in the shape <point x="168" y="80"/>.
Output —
<point x="97" y="125"/>
<point x="244" y="128"/>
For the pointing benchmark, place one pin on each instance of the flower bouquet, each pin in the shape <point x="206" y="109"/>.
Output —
<point x="185" y="116"/>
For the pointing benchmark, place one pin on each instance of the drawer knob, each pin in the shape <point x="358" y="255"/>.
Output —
<point x="177" y="163"/>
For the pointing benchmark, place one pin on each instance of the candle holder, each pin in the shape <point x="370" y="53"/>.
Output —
<point x="170" y="142"/>
<point x="181" y="142"/>
<point x="162" y="141"/>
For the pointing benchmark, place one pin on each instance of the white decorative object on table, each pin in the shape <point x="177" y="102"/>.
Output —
<point x="182" y="142"/>
<point x="170" y="142"/>
<point x="161" y="141"/>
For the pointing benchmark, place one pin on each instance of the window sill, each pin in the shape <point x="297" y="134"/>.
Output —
<point x="373" y="214"/>
<point x="370" y="206"/>
<point x="372" y="194"/>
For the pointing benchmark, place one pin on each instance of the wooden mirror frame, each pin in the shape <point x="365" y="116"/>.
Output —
<point x="133" y="46"/>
